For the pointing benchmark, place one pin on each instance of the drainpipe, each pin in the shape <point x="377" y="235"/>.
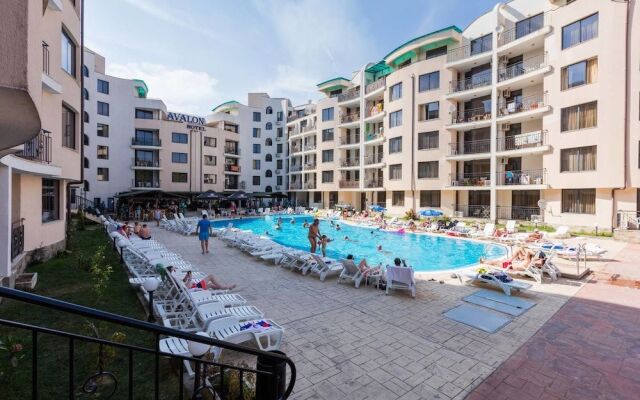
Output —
<point x="413" y="134"/>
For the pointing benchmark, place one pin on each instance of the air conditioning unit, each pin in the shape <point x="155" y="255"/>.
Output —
<point x="506" y="93"/>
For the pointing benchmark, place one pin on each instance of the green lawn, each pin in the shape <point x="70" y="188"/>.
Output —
<point x="67" y="277"/>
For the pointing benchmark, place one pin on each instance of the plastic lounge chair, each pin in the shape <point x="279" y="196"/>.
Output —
<point x="486" y="233"/>
<point x="510" y="226"/>
<point x="230" y="329"/>
<point x="401" y="278"/>
<point x="506" y="287"/>
<point x="180" y="347"/>
<point x="350" y="272"/>
<point x="211" y="311"/>
<point x="324" y="266"/>
<point x="561" y="233"/>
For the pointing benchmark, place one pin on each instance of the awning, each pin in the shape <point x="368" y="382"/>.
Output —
<point x="239" y="195"/>
<point x="210" y="195"/>
<point x="150" y="194"/>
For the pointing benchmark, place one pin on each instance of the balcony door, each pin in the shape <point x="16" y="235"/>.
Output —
<point x="510" y="141"/>
<point x="524" y="204"/>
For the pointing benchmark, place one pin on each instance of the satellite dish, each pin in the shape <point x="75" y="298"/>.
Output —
<point x="542" y="204"/>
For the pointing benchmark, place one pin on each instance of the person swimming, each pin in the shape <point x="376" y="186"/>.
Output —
<point x="338" y="227"/>
<point x="293" y="221"/>
<point x="278" y="226"/>
<point x="305" y="225"/>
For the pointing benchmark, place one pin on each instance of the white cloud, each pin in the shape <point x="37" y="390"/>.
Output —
<point x="182" y="90"/>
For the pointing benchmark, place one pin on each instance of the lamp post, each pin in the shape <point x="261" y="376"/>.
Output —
<point x="198" y="350"/>
<point x="150" y="285"/>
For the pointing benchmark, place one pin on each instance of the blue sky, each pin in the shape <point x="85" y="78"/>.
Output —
<point x="196" y="54"/>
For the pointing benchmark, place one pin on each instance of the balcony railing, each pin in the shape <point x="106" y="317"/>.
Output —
<point x="478" y="80"/>
<point x="351" y="94"/>
<point x="471" y="179"/>
<point x="146" y="163"/>
<point x="295" y="149"/>
<point x="37" y="149"/>
<point x="310" y="165"/>
<point x="523" y="67"/>
<point x="309" y="147"/>
<point x="374" y="109"/>
<point x="231" y="168"/>
<point x="522" y="104"/>
<point x="296" y="117"/>
<point x="232" y="150"/>
<point x="310" y="185"/>
<point x="462" y="52"/>
<point x="347" y="118"/>
<point x="522" y="177"/>
<point x="350" y="162"/>
<point x="472" y="211"/>
<point x="295" y="168"/>
<point x="373" y="86"/>
<point x="535" y="24"/>
<point x="17" y="239"/>
<point x="471" y="115"/>
<point x="295" y="186"/>
<point x="374" y="159"/>
<point x="470" y="147"/>
<point x="349" y="184"/>
<point x="350" y="139"/>
<point x="145" y="184"/>
<point x="373" y="135"/>
<point x="156" y="142"/>
<point x="517" y="212"/>
<point x="522" y="141"/>
<point x="45" y="58"/>
<point x="307" y="128"/>
<point x="231" y="186"/>
<point x="374" y="183"/>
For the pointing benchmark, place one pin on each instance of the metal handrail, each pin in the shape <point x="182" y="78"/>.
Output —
<point x="45" y="58"/>
<point x="471" y="179"/>
<point x="350" y="139"/>
<point x="472" y="114"/>
<point x="375" y="85"/>
<point x="37" y="149"/>
<point x="351" y="94"/>
<point x="523" y="104"/>
<point x="17" y="238"/>
<point x="523" y="67"/>
<point x="350" y="162"/>
<point x="349" y="117"/>
<point x="512" y="34"/>
<point x="516" y="212"/>
<point x="145" y="184"/>
<point x="146" y="163"/>
<point x="156" y="142"/>
<point x="462" y="52"/>
<point x="470" y="147"/>
<point x="373" y="159"/>
<point x="522" y="141"/>
<point x="374" y="183"/>
<point x="473" y="210"/>
<point x="522" y="177"/>
<point x="476" y="81"/>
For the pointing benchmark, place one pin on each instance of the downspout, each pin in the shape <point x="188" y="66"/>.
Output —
<point x="413" y="134"/>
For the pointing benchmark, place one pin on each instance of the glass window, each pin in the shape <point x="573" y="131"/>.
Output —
<point x="68" y="55"/>
<point x="144" y="114"/>
<point x="278" y="164"/>
<point x="256" y="164"/>
<point x="103" y="86"/>
<point x="146" y="138"/>
<point x="85" y="117"/>
<point x="580" y="73"/>
<point x="210" y="141"/>
<point x="85" y="71"/>
<point x="210" y="179"/>
<point x="256" y="148"/>
<point x="395" y="145"/>
<point x="103" y="108"/>
<point x="179" y="137"/>
<point x="395" y="119"/>
<point x="256" y="180"/>
<point x="257" y="117"/>
<point x="268" y="126"/>
<point x="268" y="142"/>
<point x="395" y="171"/>
<point x="86" y="93"/>
<point x="529" y="25"/>
<point x="50" y="200"/>
<point x="428" y="140"/>
<point x="103" y="174"/>
<point x="327" y="114"/>
<point x="430" y="81"/>
<point x="210" y="160"/>
<point x="428" y="169"/>
<point x="103" y="152"/>
<point x="269" y="110"/>
<point x="256" y="132"/>
<point x="269" y="158"/>
<point x="327" y="135"/>
<point x="579" y="201"/>
<point x="430" y="111"/>
<point x="179" y="158"/>
<point x="578" y="159"/>
<point x="327" y="176"/>
<point x="580" y="31"/>
<point x="429" y="198"/>
<point x="395" y="92"/>
<point x="279" y="134"/>
<point x="579" y="117"/>
<point x="179" y="177"/>
<point x="68" y="127"/>
<point x="327" y="156"/>
<point x="103" y="130"/>
<point x="481" y="44"/>
<point x="268" y="173"/>
<point x="279" y="116"/>
<point x="279" y="148"/>
<point x="437" y="52"/>
<point x="397" y="198"/>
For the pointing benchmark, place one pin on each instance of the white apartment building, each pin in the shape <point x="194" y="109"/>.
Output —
<point x="535" y="100"/>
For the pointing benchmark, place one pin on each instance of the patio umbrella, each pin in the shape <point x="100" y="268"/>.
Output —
<point x="279" y="195"/>
<point x="239" y="195"/>
<point x="209" y="195"/>
<point x="430" y="213"/>
<point x="377" y="208"/>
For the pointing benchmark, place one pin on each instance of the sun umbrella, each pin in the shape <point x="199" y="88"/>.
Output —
<point x="239" y="195"/>
<point x="209" y="195"/>
<point x="377" y="208"/>
<point x="430" y="213"/>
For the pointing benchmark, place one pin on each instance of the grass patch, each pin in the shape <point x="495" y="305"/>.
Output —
<point x="67" y="277"/>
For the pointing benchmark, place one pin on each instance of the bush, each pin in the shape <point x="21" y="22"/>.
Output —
<point x="411" y="215"/>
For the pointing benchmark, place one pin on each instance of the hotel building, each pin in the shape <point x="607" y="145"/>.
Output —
<point x="531" y="112"/>
<point x="40" y="142"/>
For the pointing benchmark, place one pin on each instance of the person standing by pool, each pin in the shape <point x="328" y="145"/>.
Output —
<point x="323" y="244"/>
<point x="157" y="215"/>
<point x="314" y="234"/>
<point x="203" y="231"/>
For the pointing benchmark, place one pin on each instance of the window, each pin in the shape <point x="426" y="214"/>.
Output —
<point x="256" y="149"/>
<point x="256" y="164"/>
<point x="395" y="171"/>
<point x="327" y="176"/>
<point x="103" y="108"/>
<point x="268" y="126"/>
<point x="429" y="198"/>
<point x="85" y="117"/>
<point x="428" y="140"/>
<point x="146" y="138"/>
<point x="268" y="173"/>
<point x="327" y="156"/>
<point x="257" y="117"/>
<point x="529" y="25"/>
<point x="427" y="169"/>
<point x="578" y="159"/>
<point x="103" y="174"/>
<point x="579" y="117"/>
<point x="268" y="142"/>
<point x="429" y="81"/>
<point x="256" y="132"/>
<point x="395" y="92"/>
<point x="179" y="158"/>
<point x="430" y="111"/>
<point x="86" y="139"/>
<point x="580" y="31"/>
<point x="395" y="119"/>
<point x="50" y="200"/>
<point x="85" y="71"/>
<point x="269" y="110"/>
<point x="103" y="152"/>
<point x="437" y="52"/>
<point x="397" y="198"/>
<point x="579" y="201"/>
<point x="210" y="160"/>
<point x="179" y="177"/>
<point x="144" y="114"/>
<point x="68" y="56"/>
<point x="269" y="158"/>
<point x="279" y="116"/>
<point x="86" y="93"/>
<point x="327" y="135"/>
<point x="580" y="73"/>
<point x="86" y="162"/>
<point x="210" y="141"/>
<point x="210" y="179"/>
<point x="103" y="86"/>
<point x="279" y="148"/>
<point x="395" y="145"/>
<point x="103" y="130"/>
<point x="179" y="137"/>
<point x="68" y="127"/>
<point x="481" y="44"/>
<point x="327" y="114"/>
<point x="278" y="164"/>
<point x="86" y="185"/>
<point x="256" y="181"/>
<point x="279" y="134"/>
<point x="278" y="180"/>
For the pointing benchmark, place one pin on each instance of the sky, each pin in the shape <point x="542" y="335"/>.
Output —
<point x="196" y="54"/>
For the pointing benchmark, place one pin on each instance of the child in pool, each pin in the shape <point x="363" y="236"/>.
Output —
<point x="323" y="244"/>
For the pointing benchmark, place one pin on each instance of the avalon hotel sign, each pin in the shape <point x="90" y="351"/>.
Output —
<point x="193" y="122"/>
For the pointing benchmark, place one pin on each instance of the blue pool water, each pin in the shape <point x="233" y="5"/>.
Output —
<point x="423" y="252"/>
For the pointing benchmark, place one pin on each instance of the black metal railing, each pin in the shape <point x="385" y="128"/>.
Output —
<point x="82" y="204"/>
<point x="522" y="177"/>
<point x="348" y="118"/>
<point x="106" y="383"/>
<point x="351" y="94"/>
<point x="37" y="149"/>
<point x="522" y="141"/>
<point x="350" y="139"/>
<point x="156" y="142"/>
<point x="472" y="211"/>
<point x="373" y="159"/>
<point x="522" y="104"/>
<point x="373" y="86"/>
<point x="45" y="58"/>
<point x="232" y="150"/>
<point x="470" y="147"/>
<point x="462" y="52"/>
<point x="374" y="182"/>
<point x="17" y="239"/>
<point x="350" y="162"/>
<point x="471" y="179"/>
<point x="523" y="67"/>
<point x="519" y="31"/>
<point x="471" y="115"/>
<point x="146" y="184"/>
<point x="476" y="81"/>
<point x="146" y="163"/>
<point x="517" y="212"/>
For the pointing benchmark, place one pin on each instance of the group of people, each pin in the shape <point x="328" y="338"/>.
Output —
<point x="141" y="230"/>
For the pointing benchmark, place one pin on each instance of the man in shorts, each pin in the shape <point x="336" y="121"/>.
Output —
<point x="204" y="231"/>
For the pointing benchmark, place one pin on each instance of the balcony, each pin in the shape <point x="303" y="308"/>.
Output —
<point x="524" y="143"/>
<point x="373" y="183"/>
<point x="350" y="119"/>
<point x="145" y="164"/>
<point x="536" y="177"/>
<point x="476" y="179"/>
<point x="349" y="184"/>
<point x="469" y="147"/>
<point x="374" y="137"/>
<point x="48" y="83"/>
<point x="350" y="141"/>
<point x="374" y="112"/>
<point x="476" y="85"/>
<point x="524" y="70"/>
<point x="374" y="159"/>
<point x="295" y="149"/>
<point x="37" y="149"/>
<point x="232" y="168"/>
<point x="295" y="186"/>
<point x="310" y="165"/>
<point x="155" y="142"/>
<point x="471" y="54"/>
<point x="375" y="87"/>
<point x="295" y="168"/>
<point x="307" y="128"/>
<point x="231" y="186"/>
<point x="528" y="29"/>
<point x="471" y="118"/>
<point x="522" y="108"/>
<point x="350" y="96"/>
<point x="353" y="162"/>
<point x="232" y="151"/>
<point x="472" y="211"/>
<point x="153" y="184"/>
<point x="517" y="213"/>
<point x="309" y="185"/>
<point x="309" y="147"/>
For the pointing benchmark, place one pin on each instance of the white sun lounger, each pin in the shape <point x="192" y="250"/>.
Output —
<point x="230" y="329"/>
<point x="324" y="267"/>
<point x="350" y="272"/>
<point x="401" y="278"/>
<point x="180" y="347"/>
<point x="506" y="287"/>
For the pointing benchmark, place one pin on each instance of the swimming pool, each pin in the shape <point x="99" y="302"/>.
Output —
<point x="423" y="252"/>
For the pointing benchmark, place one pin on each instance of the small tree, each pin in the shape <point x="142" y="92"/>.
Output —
<point x="100" y="271"/>
<point x="411" y="214"/>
